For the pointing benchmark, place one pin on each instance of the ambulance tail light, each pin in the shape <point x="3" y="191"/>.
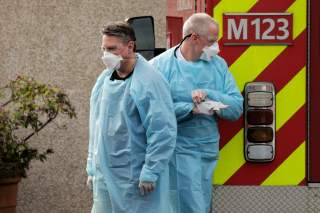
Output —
<point x="260" y="134"/>
<point x="259" y="113"/>
<point x="260" y="117"/>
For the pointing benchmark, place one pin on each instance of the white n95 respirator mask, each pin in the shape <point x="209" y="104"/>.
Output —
<point x="111" y="61"/>
<point x="209" y="52"/>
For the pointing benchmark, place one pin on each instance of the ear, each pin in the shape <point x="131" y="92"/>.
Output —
<point x="131" y="45"/>
<point x="194" y="37"/>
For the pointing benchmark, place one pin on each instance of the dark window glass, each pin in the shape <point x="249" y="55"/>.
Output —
<point x="144" y="31"/>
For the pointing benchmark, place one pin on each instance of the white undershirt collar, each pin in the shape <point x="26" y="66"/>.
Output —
<point x="179" y="54"/>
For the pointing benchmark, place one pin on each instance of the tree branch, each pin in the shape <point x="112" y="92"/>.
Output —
<point x="6" y="103"/>
<point x="45" y="124"/>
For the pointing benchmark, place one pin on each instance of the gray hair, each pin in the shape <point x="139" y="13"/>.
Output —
<point x="198" y="23"/>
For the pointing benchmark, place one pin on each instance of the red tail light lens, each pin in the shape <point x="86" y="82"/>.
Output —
<point x="260" y="117"/>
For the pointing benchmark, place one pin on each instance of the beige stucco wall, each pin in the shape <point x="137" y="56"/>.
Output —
<point x="58" y="42"/>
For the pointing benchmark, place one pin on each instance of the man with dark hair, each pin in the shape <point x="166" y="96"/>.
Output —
<point x="132" y="130"/>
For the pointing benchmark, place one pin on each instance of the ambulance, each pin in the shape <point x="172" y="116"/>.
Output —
<point x="270" y="158"/>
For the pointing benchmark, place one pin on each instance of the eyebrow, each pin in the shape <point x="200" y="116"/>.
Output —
<point x="110" y="47"/>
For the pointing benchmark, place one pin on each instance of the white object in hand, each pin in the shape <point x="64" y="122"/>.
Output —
<point x="208" y="107"/>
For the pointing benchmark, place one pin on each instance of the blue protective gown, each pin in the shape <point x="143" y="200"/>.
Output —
<point x="132" y="137"/>
<point x="197" y="147"/>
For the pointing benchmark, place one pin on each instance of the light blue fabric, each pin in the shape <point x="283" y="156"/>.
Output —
<point x="197" y="148"/>
<point x="132" y="137"/>
<point x="101" y="197"/>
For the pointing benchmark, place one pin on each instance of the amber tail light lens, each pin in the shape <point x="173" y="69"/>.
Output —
<point x="260" y="134"/>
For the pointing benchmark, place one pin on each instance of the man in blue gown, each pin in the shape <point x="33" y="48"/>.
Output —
<point x="132" y="130"/>
<point x="200" y="83"/>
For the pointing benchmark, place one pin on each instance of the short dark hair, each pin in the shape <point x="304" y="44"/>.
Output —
<point x="121" y="30"/>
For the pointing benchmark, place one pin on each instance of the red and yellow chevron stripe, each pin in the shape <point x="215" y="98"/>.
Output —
<point x="285" y="67"/>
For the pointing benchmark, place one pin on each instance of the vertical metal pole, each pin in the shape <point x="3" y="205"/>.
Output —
<point x="313" y="93"/>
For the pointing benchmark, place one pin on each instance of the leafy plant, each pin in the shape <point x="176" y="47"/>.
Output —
<point x="26" y="108"/>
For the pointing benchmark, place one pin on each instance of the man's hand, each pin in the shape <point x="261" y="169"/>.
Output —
<point x="198" y="96"/>
<point x="195" y="110"/>
<point x="146" y="187"/>
<point x="89" y="182"/>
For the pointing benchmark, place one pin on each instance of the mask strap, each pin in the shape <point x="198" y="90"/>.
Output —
<point x="187" y="36"/>
<point x="175" y="50"/>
